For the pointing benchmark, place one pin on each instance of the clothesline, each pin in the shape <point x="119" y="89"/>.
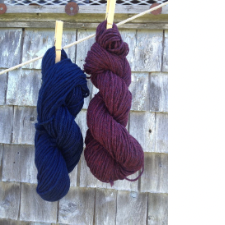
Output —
<point x="85" y="38"/>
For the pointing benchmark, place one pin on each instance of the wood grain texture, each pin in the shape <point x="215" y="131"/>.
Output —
<point x="74" y="25"/>
<point x="82" y="50"/>
<point x="23" y="87"/>
<point x="130" y="37"/>
<point x="13" y="222"/>
<point x="3" y="87"/>
<point x="38" y="41"/>
<point x="80" y="17"/>
<point x="94" y="91"/>
<point x="1" y="152"/>
<point x="155" y="176"/>
<point x="73" y="177"/>
<point x="131" y="208"/>
<point x="83" y="9"/>
<point x="140" y="89"/>
<point x="6" y="124"/>
<point x="157" y="209"/>
<point x="10" y="47"/>
<point x="77" y="207"/>
<point x="86" y="177"/>
<point x="151" y="130"/>
<point x="159" y="92"/>
<point x="88" y="180"/>
<point x="105" y="207"/>
<point x="17" y="222"/>
<point x="148" y="51"/>
<point x="9" y="200"/>
<point x="142" y="127"/>
<point x="18" y="164"/>
<point x="23" y="126"/>
<point x="165" y="52"/>
<point x="146" y="48"/>
<point x="37" y="223"/>
<point x="81" y="121"/>
<point x="161" y="132"/>
<point x="33" y="208"/>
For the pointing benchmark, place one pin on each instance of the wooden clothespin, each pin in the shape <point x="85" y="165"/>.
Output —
<point x="110" y="11"/>
<point x="58" y="40"/>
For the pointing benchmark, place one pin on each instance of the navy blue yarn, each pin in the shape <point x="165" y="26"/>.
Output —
<point x="58" y="139"/>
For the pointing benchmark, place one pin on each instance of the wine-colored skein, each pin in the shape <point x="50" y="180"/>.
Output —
<point x="111" y="152"/>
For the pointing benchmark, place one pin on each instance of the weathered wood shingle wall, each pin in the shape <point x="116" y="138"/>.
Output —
<point x="89" y="201"/>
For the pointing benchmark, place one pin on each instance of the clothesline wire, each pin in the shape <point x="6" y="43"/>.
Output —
<point x="85" y="38"/>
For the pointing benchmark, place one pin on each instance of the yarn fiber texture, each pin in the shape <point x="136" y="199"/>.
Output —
<point x="58" y="139"/>
<point x="111" y="152"/>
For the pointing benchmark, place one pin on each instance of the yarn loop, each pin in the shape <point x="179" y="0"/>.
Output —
<point x="58" y="139"/>
<point x="111" y="152"/>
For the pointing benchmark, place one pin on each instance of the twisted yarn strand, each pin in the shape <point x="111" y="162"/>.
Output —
<point x="111" y="152"/>
<point x="58" y="139"/>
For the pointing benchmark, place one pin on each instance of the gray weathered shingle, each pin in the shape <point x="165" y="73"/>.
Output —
<point x="105" y="207"/>
<point x="142" y="127"/>
<point x="159" y="92"/>
<point x="151" y="130"/>
<point x="84" y="47"/>
<point x="130" y="37"/>
<point x="3" y="87"/>
<point x="38" y="41"/>
<point x="157" y="209"/>
<point x="81" y="121"/>
<point x="162" y="132"/>
<point x="1" y="152"/>
<point x="131" y="208"/>
<point x="33" y="208"/>
<point x="6" y="124"/>
<point x="23" y="126"/>
<point x="10" y="47"/>
<point x="23" y="87"/>
<point x="155" y="176"/>
<point x="18" y="164"/>
<point x="145" y="49"/>
<point x="82" y="50"/>
<point x="140" y="90"/>
<point x="9" y="200"/>
<point x="165" y="52"/>
<point x="74" y="176"/>
<point x="148" y="51"/>
<point x="77" y="207"/>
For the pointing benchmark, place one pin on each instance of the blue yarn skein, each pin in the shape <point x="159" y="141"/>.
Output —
<point x="58" y="139"/>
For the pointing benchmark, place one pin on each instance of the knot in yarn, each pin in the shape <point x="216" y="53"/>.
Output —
<point x="111" y="152"/>
<point x="58" y="139"/>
